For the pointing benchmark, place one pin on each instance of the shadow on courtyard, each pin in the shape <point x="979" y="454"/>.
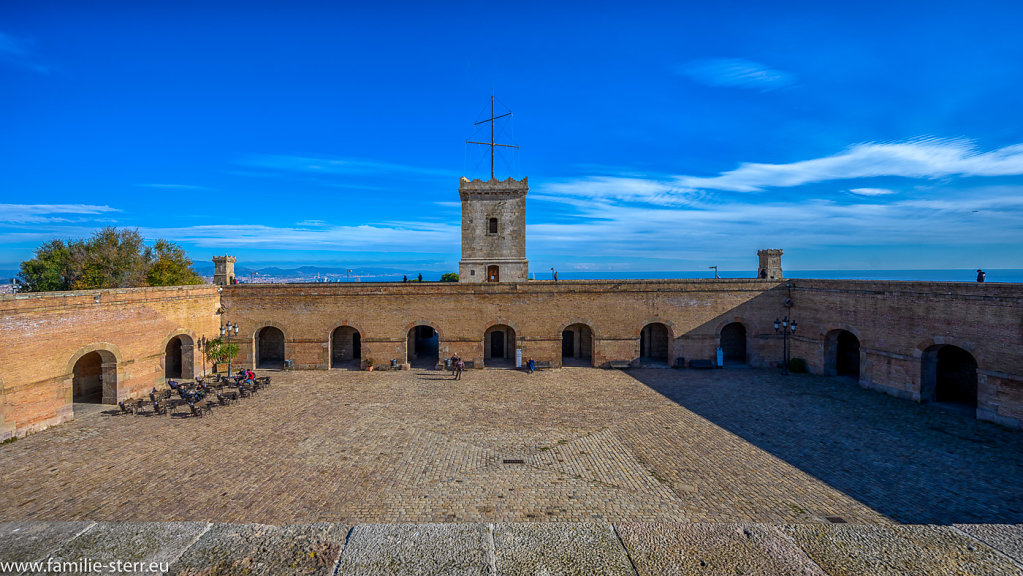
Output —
<point x="914" y="463"/>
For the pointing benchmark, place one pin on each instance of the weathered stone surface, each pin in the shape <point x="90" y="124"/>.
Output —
<point x="1006" y="538"/>
<point x="748" y="549"/>
<point x="258" y="549"/>
<point x="29" y="541"/>
<point x="428" y="549"/>
<point x="856" y="550"/>
<point x="558" y="548"/>
<point x="139" y="544"/>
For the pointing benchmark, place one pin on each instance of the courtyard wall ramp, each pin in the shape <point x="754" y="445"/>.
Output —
<point x="186" y="548"/>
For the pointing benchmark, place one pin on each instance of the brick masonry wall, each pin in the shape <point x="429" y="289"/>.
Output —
<point x="896" y="322"/>
<point x="43" y="335"/>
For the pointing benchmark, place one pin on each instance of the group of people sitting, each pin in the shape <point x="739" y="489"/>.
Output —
<point x="245" y="377"/>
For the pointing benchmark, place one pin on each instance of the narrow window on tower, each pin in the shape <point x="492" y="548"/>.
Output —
<point x="492" y="226"/>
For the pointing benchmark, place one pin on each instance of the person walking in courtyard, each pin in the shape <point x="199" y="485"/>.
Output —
<point x="531" y="365"/>
<point x="453" y="363"/>
<point x="458" y="369"/>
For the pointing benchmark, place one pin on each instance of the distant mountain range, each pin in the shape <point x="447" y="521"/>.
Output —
<point x="243" y="272"/>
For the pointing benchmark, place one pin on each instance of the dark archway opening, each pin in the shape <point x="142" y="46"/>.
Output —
<point x="577" y="345"/>
<point x="847" y="355"/>
<point x="733" y="344"/>
<point x="269" y="348"/>
<point x="172" y="358"/>
<point x="345" y="348"/>
<point x="948" y="374"/>
<point x="87" y="381"/>
<point x="653" y="344"/>
<point x="499" y="346"/>
<point x="423" y="347"/>
<point x="493" y="273"/>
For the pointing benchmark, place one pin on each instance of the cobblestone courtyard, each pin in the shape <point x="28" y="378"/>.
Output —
<point x="734" y="445"/>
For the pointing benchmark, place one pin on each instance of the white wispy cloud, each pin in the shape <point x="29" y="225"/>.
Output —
<point x="21" y="53"/>
<point x="736" y="73"/>
<point x="871" y="191"/>
<point x="175" y="186"/>
<point x="335" y="166"/>
<point x="393" y="236"/>
<point x="923" y="158"/>
<point x="34" y="213"/>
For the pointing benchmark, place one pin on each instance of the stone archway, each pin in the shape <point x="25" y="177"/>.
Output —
<point x="499" y="346"/>
<point x="842" y="354"/>
<point x="94" y="378"/>
<point x="654" y="344"/>
<point x="733" y="343"/>
<point x="179" y="357"/>
<point x="423" y="346"/>
<point x="345" y="348"/>
<point x="577" y="345"/>
<point x="948" y="374"/>
<point x="269" y="345"/>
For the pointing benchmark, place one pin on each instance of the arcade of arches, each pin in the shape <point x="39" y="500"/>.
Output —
<point x="577" y="345"/>
<point x="423" y="346"/>
<point x="94" y="378"/>
<point x="269" y="345"/>
<point x="499" y="345"/>
<point x="653" y="343"/>
<point x="733" y="343"/>
<point x="948" y="374"/>
<point x="345" y="347"/>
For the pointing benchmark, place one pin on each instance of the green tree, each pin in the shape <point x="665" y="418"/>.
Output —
<point x="170" y="266"/>
<point x="111" y="258"/>
<point x="449" y="277"/>
<point x="50" y="270"/>
<point x="216" y="350"/>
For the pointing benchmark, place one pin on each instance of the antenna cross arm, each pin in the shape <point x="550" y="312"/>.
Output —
<point x="491" y="119"/>
<point x="490" y="144"/>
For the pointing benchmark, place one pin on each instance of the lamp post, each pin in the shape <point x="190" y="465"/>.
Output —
<point x="226" y="330"/>
<point x="203" y="345"/>
<point x="785" y="328"/>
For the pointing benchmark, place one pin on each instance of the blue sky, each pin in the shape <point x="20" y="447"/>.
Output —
<point x="668" y="136"/>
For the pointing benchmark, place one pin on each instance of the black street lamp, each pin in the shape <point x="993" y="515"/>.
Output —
<point x="203" y="345"/>
<point x="226" y="330"/>
<point x="785" y="328"/>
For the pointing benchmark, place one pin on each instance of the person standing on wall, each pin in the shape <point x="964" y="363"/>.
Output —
<point x="981" y="276"/>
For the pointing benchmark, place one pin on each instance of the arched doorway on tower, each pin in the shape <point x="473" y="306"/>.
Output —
<point x="493" y="273"/>
<point x="499" y="346"/>
<point x="577" y="345"/>
<point x="948" y="374"/>
<point x="345" y="348"/>
<point x="94" y="378"/>
<point x="269" y="346"/>
<point x="178" y="360"/>
<point x="842" y="354"/>
<point x="653" y="344"/>
<point x="423" y="347"/>
<point x="733" y="344"/>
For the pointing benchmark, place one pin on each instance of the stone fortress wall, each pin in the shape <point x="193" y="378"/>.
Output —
<point x="43" y="337"/>
<point x="899" y="327"/>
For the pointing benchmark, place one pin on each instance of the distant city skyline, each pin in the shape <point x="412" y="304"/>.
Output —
<point x="655" y="136"/>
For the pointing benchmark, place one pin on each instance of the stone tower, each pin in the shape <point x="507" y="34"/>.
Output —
<point x="770" y="264"/>
<point x="223" y="270"/>
<point x="493" y="230"/>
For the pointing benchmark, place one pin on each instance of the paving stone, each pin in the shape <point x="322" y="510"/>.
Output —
<point x="256" y="549"/>
<point x="30" y="541"/>
<point x="748" y="549"/>
<point x="137" y="546"/>
<point x="428" y="549"/>
<point x="856" y="550"/>
<point x="559" y="548"/>
<point x="724" y="446"/>
<point x="1006" y="538"/>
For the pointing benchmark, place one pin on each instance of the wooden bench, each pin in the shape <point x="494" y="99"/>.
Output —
<point x="620" y="364"/>
<point x="542" y="364"/>
<point x="701" y="364"/>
